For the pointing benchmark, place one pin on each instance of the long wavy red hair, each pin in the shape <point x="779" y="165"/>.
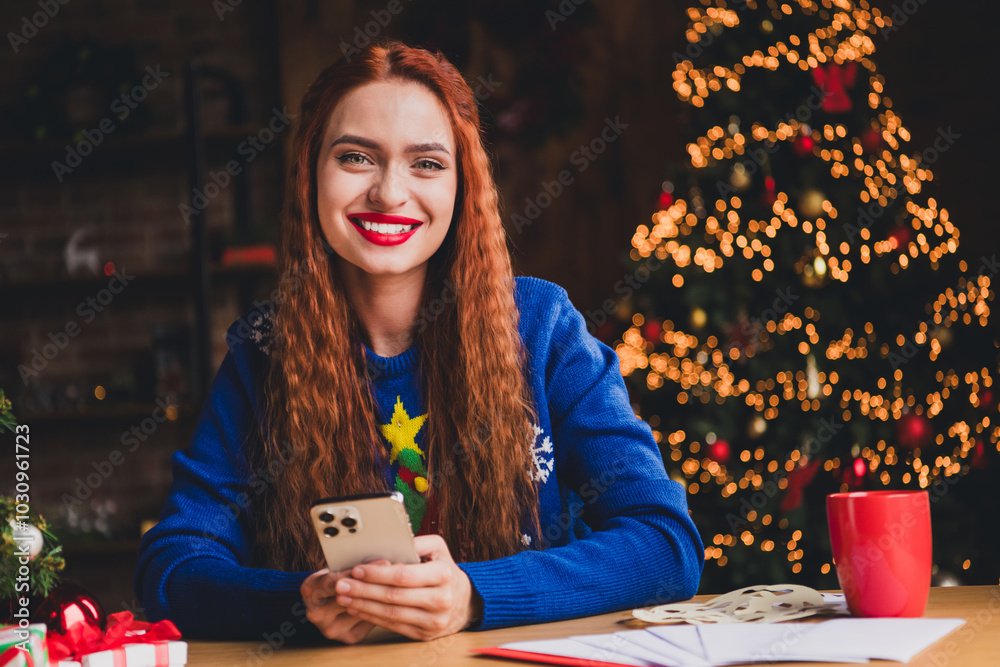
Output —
<point x="318" y="401"/>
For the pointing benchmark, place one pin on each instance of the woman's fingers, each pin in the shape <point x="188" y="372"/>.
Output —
<point x="424" y="601"/>
<point x="343" y="627"/>
<point x="347" y="629"/>
<point x="320" y="586"/>
<point x="315" y="589"/>
<point x="408" y="621"/>
<point x="432" y="573"/>
<point x="318" y="592"/>
<point x="432" y="598"/>
<point x="358" y="632"/>
<point x="432" y="547"/>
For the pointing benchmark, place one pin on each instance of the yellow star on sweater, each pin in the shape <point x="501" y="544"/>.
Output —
<point x="401" y="431"/>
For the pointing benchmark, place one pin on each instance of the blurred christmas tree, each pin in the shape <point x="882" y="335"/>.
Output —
<point x="808" y="326"/>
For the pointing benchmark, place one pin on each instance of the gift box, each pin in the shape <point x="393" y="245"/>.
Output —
<point x="124" y="642"/>
<point x="23" y="646"/>
<point x="158" y="654"/>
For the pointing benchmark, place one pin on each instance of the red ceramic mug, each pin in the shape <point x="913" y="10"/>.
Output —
<point x="882" y="549"/>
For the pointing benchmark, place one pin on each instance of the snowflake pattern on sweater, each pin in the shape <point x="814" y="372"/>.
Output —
<point x="260" y="330"/>
<point x="543" y="464"/>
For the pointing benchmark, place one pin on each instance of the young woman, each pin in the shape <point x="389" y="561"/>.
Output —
<point x="401" y="354"/>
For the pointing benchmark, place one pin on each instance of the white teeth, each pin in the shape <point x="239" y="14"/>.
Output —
<point x="383" y="228"/>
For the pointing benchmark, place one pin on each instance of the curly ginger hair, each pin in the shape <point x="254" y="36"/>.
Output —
<point x="471" y="362"/>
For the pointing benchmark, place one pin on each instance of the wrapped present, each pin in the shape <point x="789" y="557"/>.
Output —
<point x="125" y="642"/>
<point x="157" y="654"/>
<point x="23" y="646"/>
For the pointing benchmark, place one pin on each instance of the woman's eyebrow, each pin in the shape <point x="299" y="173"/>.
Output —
<point x="428" y="147"/>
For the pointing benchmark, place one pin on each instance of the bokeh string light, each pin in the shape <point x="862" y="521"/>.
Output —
<point x="698" y="234"/>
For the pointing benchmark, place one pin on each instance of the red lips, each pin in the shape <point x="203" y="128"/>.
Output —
<point x="381" y="218"/>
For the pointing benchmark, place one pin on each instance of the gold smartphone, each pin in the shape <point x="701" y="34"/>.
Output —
<point x="354" y="530"/>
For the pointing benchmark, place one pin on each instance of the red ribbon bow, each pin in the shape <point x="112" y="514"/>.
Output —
<point x="122" y="628"/>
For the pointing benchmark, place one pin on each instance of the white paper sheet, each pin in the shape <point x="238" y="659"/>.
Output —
<point x="882" y="638"/>
<point x="671" y="652"/>
<point x="615" y="644"/>
<point x="761" y="642"/>
<point x="707" y="645"/>
<point x="684" y="637"/>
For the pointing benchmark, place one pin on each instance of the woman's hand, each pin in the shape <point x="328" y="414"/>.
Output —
<point x="425" y="601"/>
<point x="331" y="618"/>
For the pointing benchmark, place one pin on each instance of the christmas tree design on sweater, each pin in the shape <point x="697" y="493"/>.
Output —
<point x="408" y="460"/>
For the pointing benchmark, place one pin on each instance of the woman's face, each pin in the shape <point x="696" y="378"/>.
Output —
<point x="386" y="178"/>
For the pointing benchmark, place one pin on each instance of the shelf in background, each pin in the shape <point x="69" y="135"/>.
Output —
<point x="238" y="271"/>
<point x="46" y="287"/>
<point x="162" y="283"/>
<point x="100" y="548"/>
<point x="120" y="154"/>
<point x="103" y="412"/>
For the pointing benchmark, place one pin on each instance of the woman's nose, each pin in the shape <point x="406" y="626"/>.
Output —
<point x="389" y="190"/>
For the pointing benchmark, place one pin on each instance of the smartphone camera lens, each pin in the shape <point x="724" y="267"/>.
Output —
<point x="349" y="522"/>
<point x="331" y="531"/>
<point x="326" y="517"/>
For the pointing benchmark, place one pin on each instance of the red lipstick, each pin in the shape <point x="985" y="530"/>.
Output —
<point x="379" y="238"/>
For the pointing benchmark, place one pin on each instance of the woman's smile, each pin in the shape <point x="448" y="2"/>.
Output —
<point x="382" y="229"/>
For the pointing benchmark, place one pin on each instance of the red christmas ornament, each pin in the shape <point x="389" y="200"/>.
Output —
<point x="900" y="237"/>
<point x="769" y="195"/>
<point x="914" y="431"/>
<point x="979" y="455"/>
<point x="666" y="199"/>
<point x="719" y="451"/>
<point x="834" y="80"/>
<point x="987" y="400"/>
<point x="68" y="605"/>
<point x="854" y="474"/>
<point x="871" y="140"/>
<point x="651" y="331"/>
<point x="798" y="480"/>
<point x="804" y="145"/>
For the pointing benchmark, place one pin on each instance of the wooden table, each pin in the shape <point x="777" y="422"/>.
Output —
<point x="975" y="644"/>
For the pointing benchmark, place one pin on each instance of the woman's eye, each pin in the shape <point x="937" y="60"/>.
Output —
<point x="428" y="165"/>
<point x="352" y="158"/>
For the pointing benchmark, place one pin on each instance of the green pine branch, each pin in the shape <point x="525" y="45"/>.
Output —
<point x="43" y="570"/>
<point x="7" y="418"/>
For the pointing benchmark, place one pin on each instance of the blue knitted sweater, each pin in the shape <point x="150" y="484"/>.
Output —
<point x="615" y="529"/>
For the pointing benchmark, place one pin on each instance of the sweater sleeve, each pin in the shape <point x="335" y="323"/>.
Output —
<point x="642" y="548"/>
<point x="193" y="564"/>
